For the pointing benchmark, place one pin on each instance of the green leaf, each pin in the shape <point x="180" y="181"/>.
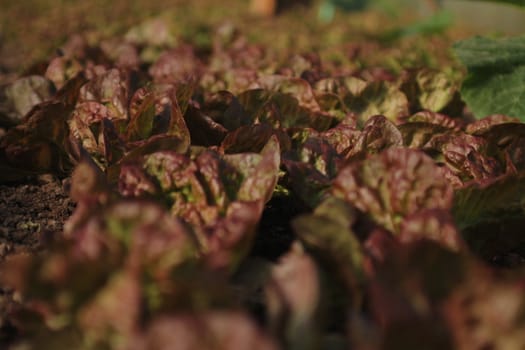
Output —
<point x="141" y="123"/>
<point x="491" y="200"/>
<point x="496" y="75"/>
<point x="260" y="171"/>
<point x="482" y="52"/>
<point x="435" y="24"/>
<point x="378" y="97"/>
<point x="327" y="233"/>
<point x="434" y="90"/>
<point x="513" y="2"/>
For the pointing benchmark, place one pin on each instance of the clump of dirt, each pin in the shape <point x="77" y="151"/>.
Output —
<point x="30" y="209"/>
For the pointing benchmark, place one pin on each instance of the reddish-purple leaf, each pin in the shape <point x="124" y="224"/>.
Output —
<point x="393" y="184"/>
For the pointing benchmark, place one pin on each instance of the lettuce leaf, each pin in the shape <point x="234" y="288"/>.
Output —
<point x="392" y="185"/>
<point x="496" y="71"/>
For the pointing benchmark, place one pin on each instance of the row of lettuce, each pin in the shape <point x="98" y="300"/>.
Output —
<point x="176" y="151"/>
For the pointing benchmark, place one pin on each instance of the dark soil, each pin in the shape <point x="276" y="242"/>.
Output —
<point x="29" y="211"/>
<point x="275" y="234"/>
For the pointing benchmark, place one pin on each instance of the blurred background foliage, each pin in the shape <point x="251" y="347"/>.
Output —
<point x="31" y="30"/>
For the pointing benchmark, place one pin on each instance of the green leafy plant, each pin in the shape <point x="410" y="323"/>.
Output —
<point x="496" y="71"/>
